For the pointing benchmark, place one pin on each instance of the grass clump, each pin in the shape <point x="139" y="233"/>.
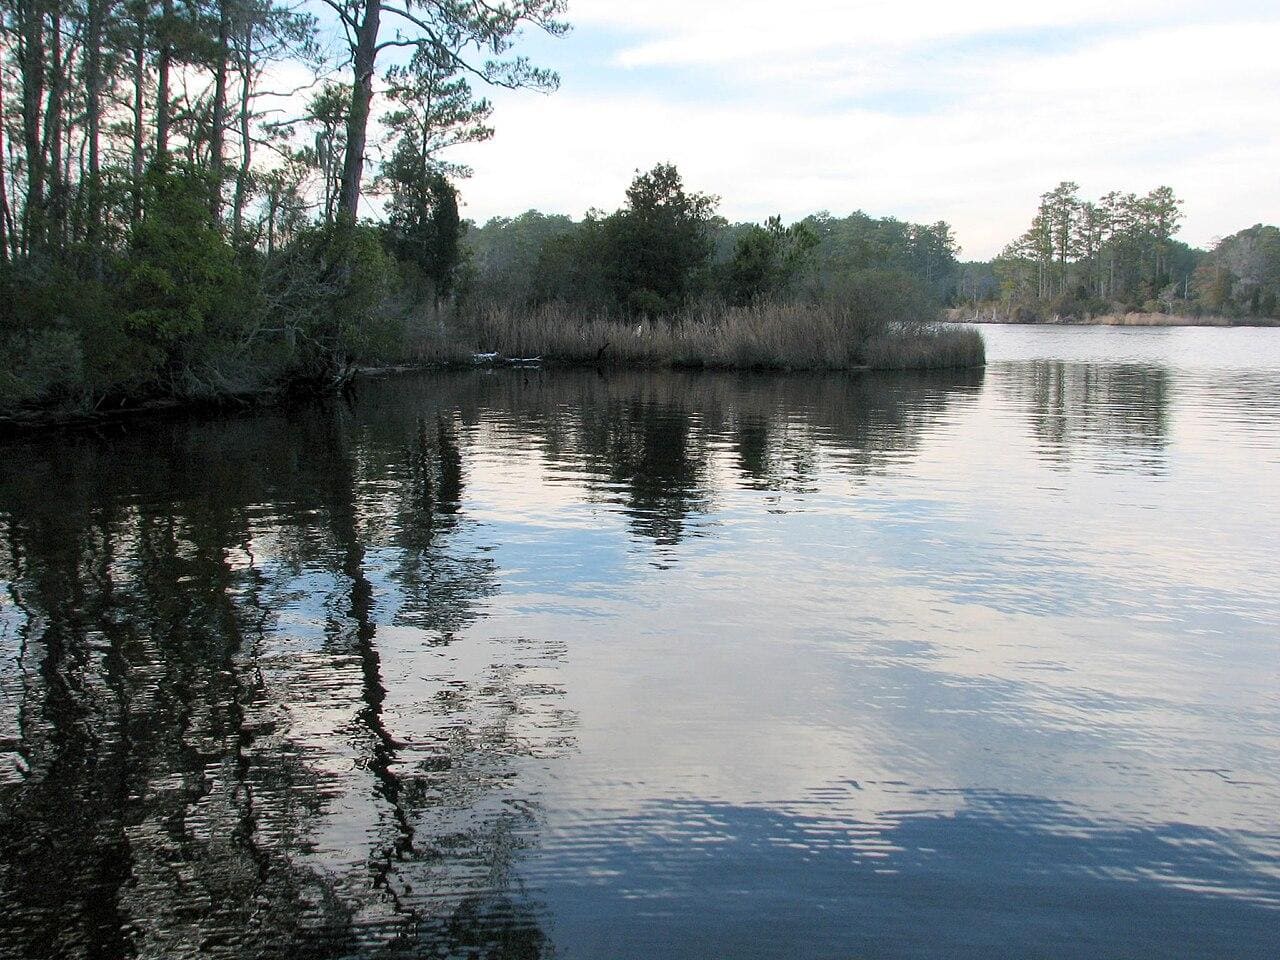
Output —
<point x="758" y="336"/>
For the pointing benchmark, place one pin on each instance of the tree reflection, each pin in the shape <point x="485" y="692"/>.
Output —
<point x="208" y="762"/>
<point x="653" y="457"/>
<point x="1123" y="408"/>
<point x="653" y="443"/>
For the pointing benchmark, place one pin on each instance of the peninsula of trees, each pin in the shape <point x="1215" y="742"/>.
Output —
<point x="181" y="217"/>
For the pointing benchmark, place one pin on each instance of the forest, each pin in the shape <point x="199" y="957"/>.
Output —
<point x="1119" y="254"/>
<point x="181" y="186"/>
<point x="213" y="199"/>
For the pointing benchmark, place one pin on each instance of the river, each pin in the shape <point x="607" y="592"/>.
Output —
<point x="521" y="664"/>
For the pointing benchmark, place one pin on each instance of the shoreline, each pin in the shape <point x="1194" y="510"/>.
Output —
<point x="23" y="423"/>
<point x="1132" y="319"/>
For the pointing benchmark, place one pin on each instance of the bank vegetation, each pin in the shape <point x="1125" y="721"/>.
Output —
<point x="176" y="226"/>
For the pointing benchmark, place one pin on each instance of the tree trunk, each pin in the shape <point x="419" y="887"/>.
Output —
<point x="164" y="63"/>
<point x="139" y="101"/>
<point x="32" y="65"/>
<point x="53" y="128"/>
<point x="4" y="188"/>
<point x="93" y="120"/>
<point x="246" y="143"/>
<point x="358" y="118"/>
<point x="219" y="123"/>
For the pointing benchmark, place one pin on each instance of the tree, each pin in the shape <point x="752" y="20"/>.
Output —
<point x="659" y="243"/>
<point x="1241" y="275"/>
<point x="1119" y="248"/>
<point x="181" y="285"/>
<point x="433" y="110"/>
<point x="285" y="207"/>
<point x="326" y="118"/>
<point x="860" y="244"/>
<point x="262" y="33"/>
<point x="932" y="251"/>
<point x="1058" y="209"/>
<point x="424" y="229"/>
<point x="767" y="260"/>
<point x="453" y="33"/>
<point x="114" y="112"/>
<point x="1163" y="214"/>
<point x="1090" y="230"/>
<point x="504" y="253"/>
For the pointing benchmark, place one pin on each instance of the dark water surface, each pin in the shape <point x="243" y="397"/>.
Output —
<point x="660" y="666"/>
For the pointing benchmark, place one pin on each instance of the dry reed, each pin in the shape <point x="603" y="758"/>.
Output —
<point x="787" y="336"/>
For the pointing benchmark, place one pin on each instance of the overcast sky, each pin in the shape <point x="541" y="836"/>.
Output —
<point x="920" y="109"/>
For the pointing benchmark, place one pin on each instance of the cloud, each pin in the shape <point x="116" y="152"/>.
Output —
<point x="923" y="111"/>
<point x="674" y="31"/>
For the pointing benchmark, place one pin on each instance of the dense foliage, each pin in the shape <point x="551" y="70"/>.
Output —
<point x="665" y="281"/>
<point x="666" y="249"/>
<point x="175" y="224"/>
<point x="1240" y="276"/>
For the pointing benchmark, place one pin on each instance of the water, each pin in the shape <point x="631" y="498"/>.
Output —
<point x="660" y="665"/>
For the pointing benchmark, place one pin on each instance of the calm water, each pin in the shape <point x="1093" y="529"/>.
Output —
<point x="683" y="666"/>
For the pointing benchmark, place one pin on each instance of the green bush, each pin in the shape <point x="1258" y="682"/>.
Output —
<point x="329" y="290"/>
<point x="873" y="297"/>
<point x="181" y="286"/>
<point x="644" y="302"/>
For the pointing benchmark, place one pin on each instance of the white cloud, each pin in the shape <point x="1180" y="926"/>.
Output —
<point x="843" y="107"/>
<point x="723" y="30"/>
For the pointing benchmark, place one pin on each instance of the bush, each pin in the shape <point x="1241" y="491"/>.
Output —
<point x="181" y="285"/>
<point x="328" y="293"/>
<point x="40" y="303"/>
<point x="925" y="347"/>
<point x="42" y="367"/>
<point x="881" y="297"/>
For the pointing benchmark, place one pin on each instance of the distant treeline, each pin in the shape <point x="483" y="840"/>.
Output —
<point x="664" y="280"/>
<point x="667" y="248"/>
<point x="1118" y="254"/>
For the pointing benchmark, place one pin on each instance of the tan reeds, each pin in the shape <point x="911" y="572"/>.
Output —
<point x="786" y="336"/>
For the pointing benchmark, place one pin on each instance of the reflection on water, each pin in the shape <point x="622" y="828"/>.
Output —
<point x="1124" y="406"/>
<point x="528" y="664"/>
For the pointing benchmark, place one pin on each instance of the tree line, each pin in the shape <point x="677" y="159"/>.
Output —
<point x="1119" y="253"/>
<point x="667" y="248"/>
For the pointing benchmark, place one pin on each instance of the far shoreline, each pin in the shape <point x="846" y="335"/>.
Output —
<point x="1131" y="319"/>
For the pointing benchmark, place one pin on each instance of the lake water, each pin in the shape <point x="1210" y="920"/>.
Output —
<point x="521" y="664"/>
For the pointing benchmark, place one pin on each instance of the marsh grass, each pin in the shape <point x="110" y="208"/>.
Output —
<point x="785" y="336"/>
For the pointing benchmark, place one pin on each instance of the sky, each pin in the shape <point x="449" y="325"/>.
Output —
<point x="924" y="110"/>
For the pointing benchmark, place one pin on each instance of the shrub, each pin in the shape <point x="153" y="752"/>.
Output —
<point x="789" y="336"/>
<point x="42" y="366"/>
<point x="327" y="295"/>
<point x="925" y="347"/>
<point x="181" y="285"/>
